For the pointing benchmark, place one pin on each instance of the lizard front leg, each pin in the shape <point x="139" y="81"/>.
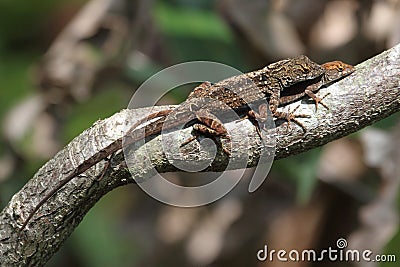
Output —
<point x="310" y="92"/>
<point x="317" y="99"/>
<point x="285" y="115"/>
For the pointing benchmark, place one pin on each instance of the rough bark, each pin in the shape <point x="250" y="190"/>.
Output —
<point x="368" y="95"/>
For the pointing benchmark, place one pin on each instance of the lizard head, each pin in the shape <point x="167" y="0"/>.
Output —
<point x="336" y="69"/>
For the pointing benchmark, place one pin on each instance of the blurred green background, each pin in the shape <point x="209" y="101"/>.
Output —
<point x="54" y="83"/>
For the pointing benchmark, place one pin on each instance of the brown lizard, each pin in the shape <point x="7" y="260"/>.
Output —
<point x="279" y="83"/>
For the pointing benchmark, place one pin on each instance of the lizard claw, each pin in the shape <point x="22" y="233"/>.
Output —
<point x="319" y="100"/>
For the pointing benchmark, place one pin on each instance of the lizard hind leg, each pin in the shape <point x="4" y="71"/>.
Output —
<point x="210" y="126"/>
<point x="260" y="119"/>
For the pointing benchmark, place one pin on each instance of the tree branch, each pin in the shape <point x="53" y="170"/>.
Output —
<point x="368" y="95"/>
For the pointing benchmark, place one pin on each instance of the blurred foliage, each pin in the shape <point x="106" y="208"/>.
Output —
<point x="199" y="23"/>
<point x="20" y="32"/>
<point x="301" y="169"/>
<point x="15" y="82"/>
<point x="22" y="22"/>
<point x="105" y="104"/>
